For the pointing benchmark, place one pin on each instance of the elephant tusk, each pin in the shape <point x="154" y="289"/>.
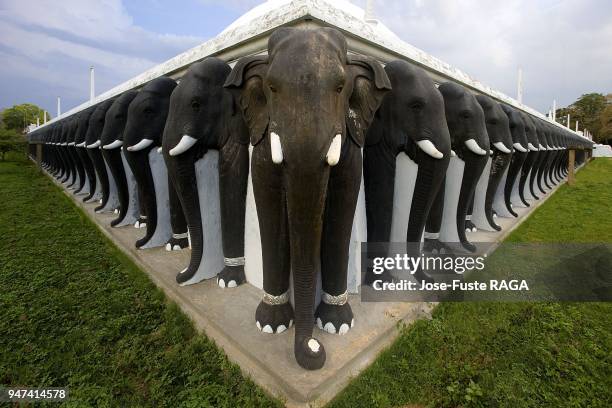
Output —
<point x="159" y="150"/>
<point x="542" y="147"/>
<point x="71" y="144"/>
<point x="276" y="148"/>
<point x="453" y="154"/>
<point x="333" y="154"/>
<point x="113" y="145"/>
<point x="183" y="145"/>
<point x="430" y="149"/>
<point x="532" y="148"/>
<point x="518" y="147"/>
<point x="502" y="147"/>
<point x="94" y="145"/>
<point x="473" y="146"/>
<point x="143" y="144"/>
<point x="81" y="145"/>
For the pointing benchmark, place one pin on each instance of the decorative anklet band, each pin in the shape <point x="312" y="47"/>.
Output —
<point x="334" y="300"/>
<point x="179" y="236"/>
<point x="143" y="217"/>
<point x="234" y="261"/>
<point x="276" y="300"/>
<point x="431" y="235"/>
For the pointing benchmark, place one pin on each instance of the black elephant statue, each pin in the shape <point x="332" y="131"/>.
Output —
<point x="147" y="116"/>
<point x="308" y="106"/>
<point x="111" y="141"/>
<point x="204" y="115"/>
<point x="519" y="141"/>
<point x="500" y="138"/>
<point x="533" y="154"/>
<point x="79" y="140"/>
<point x="410" y="119"/>
<point x="470" y="141"/>
<point x="92" y="143"/>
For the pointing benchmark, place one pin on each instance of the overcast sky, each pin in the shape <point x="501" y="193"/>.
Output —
<point x="46" y="47"/>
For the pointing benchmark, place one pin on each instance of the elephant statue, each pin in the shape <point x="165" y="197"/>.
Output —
<point x="411" y="120"/>
<point x="204" y="115"/>
<point x="143" y="132"/>
<point x="308" y="106"/>
<point x="532" y="156"/>
<point x="79" y="141"/>
<point x="470" y="141"/>
<point x="500" y="138"/>
<point x="519" y="141"/>
<point x="92" y="143"/>
<point x="111" y="141"/>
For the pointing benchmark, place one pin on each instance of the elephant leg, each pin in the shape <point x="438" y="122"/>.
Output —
<point x="518" y="158"/>
<point x="474" y="165"/>
<point x="525" y="175"/>
<point x="379" y="184"/>
<point x="499" y="164"/>
<point x="534" y="174"/>
<point x="469" y="225"/>
<point x="431" y="241"/>
<point x="334" y="314"/>
<point x="233" y="179"/>
<point x="115" y="163"/>
<point x="89" y="169"/>
<point x="541" y="168"/>
<point x="179" y="239"/>
<point x="274" y="313"/>
<point x="98" y="162"/>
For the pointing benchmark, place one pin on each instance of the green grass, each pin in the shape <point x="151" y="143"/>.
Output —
<point x="509" y="354"/>
<point x="76" y="313"/>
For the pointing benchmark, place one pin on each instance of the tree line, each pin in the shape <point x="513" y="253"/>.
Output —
<point x="593" y="111"/>
<point x="14" y="122"/>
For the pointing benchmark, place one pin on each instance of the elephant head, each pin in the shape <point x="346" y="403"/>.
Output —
<point x="519" y="141"/>
<point x="410" y="119"/>
<point x="470" y="141"/>
<point x="92" y="143"/>
<point x="145" y="125"/>
<point x="204" y="115"/>
<point x="111" y="141"/>
<point x="498" y="129"/>
<point x="308" y="106"/>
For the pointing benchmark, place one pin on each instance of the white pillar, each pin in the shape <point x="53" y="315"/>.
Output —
<point x="59" y="107"/>
<point x="576" y="126"/>
<point x="369" y="16"/>
<point x="568" y="120"/>
<point x="519" y="86"/>
<point x="37" y="121"/>
<point x="554" y="110"/>
<point x="92" y="89"/>
<point x="44" y="116"/>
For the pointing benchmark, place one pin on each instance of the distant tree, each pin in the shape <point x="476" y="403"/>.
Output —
<point x="11" y="140"/>
<point x="605" y="122"/>
<point x="18" y="117"/>
<point x="587" y="111"/>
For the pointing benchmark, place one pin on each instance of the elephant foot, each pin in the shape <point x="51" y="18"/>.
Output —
<point x="231" y="276"/>
<point x="468" y="246"/>
<point x="334" y="314"/>
<point x="141" y="222"/>
<point x="274" y="313"/>
<point x="435" y="246"/>
<point x="309" y="353"/>
<point x="177" y="242"/>
<point x="470" y="227"/>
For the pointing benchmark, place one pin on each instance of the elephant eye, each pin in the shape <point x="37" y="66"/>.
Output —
<point x="492" y="122"/>
<point x="340" y="88"/>
<point x="465" y="114"/>
<point x="195" y="105"/>
<point x="272" y="88"/>
<point x="417" y="105"/>
<point x="148" y="111"/>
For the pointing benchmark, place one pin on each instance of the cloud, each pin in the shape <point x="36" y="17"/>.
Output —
<point x="563" y="47"/>
<point x="54" y="43"/>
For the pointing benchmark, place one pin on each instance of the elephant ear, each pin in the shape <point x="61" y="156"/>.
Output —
<point x="246" y="80"/>
<point x="370" y="84"/>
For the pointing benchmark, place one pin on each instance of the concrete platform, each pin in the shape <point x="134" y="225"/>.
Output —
<point x="227" y="317"/>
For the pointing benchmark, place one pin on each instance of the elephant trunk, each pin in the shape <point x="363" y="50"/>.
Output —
<point x="182" y="172"/>
<point x="518" y="158"/>
<point x="306" y="195"/>
<point x="499" y="164"/>
<point x="89" y="170"/>
<point x="430" y="178"/>
<point x="139" y="164"/>
<point x="474" y="166"/>
<point x="98" y="163"/>
<point x="115" y="163"/>
<point x="527" y="166"/>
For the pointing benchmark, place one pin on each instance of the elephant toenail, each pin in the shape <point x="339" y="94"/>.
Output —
<point x="221" y="283"/>
<point x="258" y="325"/>
<point x="267" y="329"/>
<point x="281" y="328"/>
<point x="344" y="328"/>
<point x="167" y="246"/>
<point x="231" y="284"/>
<point x="329" y="327"/>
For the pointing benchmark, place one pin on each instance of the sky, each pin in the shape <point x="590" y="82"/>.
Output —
<point x="47" y="47"/>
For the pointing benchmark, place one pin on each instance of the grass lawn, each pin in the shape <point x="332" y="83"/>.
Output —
<point x="76" y="312"/>
<point x="509" y="354"/>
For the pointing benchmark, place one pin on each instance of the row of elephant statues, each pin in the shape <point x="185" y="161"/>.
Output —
<point x="312" y="126"/>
